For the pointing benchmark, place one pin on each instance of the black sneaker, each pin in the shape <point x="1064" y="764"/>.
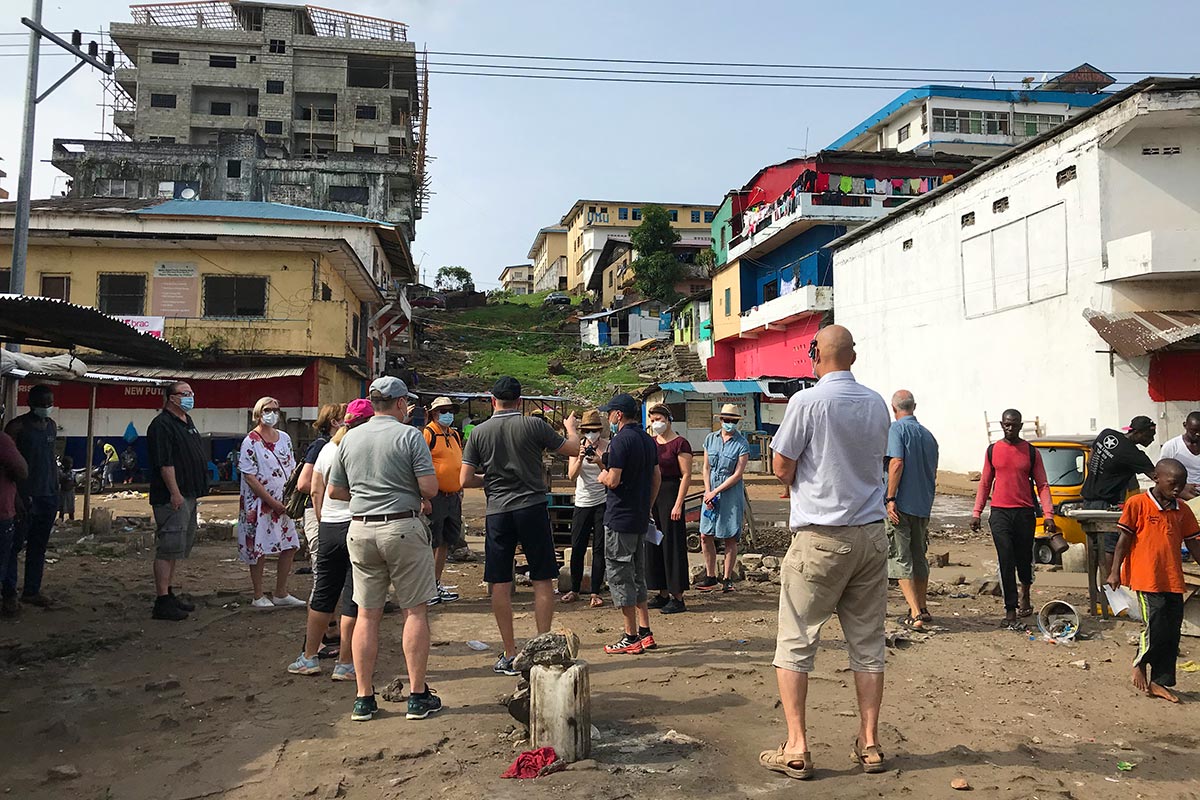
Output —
<point x="707" y="583"/>
<point x="674" y="607"/>
<point x="178" y="600"/>
<point x="727" y="586"/>
<point x="365" y="708"/>
<point x="658" y="601"/>
<point x="422" y="705"/>
<point x="10" y="608"/>
<point x="165" y="608"/>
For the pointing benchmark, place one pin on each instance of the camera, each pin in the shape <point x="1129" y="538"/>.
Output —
<point x="589" y="451"/>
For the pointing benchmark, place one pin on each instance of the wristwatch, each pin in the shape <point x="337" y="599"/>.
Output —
<point x="890" y="500"/>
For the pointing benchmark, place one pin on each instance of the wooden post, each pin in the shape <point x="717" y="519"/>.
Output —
<point x="560" y="710"/>
<point x="87" y="472"/>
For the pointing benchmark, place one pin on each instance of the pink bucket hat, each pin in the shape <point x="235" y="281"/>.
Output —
<point x="358" y="411"/>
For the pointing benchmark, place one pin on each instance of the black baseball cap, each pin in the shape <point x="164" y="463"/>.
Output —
<point x="623" y="403"/>
<point x="507" y="388"/>
<point x="1142" y="424"/>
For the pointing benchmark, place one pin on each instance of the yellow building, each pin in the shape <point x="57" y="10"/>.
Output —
<point x="590" y="223"/>
<point x="255" y="289"/>
<point x="517" y="279"/>
<point x="727" y="301"/>
<point x="549" y="257"/>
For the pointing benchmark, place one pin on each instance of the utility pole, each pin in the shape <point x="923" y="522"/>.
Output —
<point x="32" y="98"/>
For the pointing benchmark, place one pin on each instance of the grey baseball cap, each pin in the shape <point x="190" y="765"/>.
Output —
<point x="389" y="388"/>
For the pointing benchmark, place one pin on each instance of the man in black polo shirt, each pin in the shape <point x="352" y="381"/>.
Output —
<point x="631" y="476"/>
<point x="177" y="478"/>
<point x="1116" y="460"/>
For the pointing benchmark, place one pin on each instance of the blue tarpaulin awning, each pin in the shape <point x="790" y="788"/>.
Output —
<point x="720" y="387"/>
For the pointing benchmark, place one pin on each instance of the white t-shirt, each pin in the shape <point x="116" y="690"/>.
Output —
<point x="331" y="510"/>
<point x="1177" y="449"/>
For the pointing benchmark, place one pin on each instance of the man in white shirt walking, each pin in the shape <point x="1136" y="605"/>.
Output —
<point x="829" y="451"/>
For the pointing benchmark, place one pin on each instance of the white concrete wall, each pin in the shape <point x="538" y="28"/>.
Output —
<point x="974" y="329"/>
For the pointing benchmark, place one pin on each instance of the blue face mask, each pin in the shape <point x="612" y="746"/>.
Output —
<point x="613" y="427"/>
<point x="43" y="413"/>
<point x="729" y="427"/>
<point x="187" y="403"/>
<point x="446" y="419"/>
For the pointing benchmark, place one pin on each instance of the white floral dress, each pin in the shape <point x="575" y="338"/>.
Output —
<point x="263" y="532"/>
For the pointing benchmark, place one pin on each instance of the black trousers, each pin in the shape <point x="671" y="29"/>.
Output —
<point x="1158" y="650"/>
<point x="1012" y="533"/>
<point x="667" y="563"/>
<point x="587" y="528"/>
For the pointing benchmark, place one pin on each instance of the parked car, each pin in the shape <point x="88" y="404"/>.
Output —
<point x="557" y="299"/>
<point x="429" y="301"/>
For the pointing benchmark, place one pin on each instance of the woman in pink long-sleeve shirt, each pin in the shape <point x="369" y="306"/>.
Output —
<point x="1011" y="471"/>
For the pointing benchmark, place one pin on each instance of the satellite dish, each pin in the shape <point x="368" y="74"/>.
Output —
<point x="188" y="193"/>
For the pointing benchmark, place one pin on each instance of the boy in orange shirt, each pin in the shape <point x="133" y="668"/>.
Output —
<point x="1154" y="526"/>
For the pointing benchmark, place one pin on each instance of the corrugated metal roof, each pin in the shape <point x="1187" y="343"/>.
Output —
<point x="98" y="378"/>
<point x="253" y="210"/>
<point x="206" y="373"/>
<point x="1138" y="333"/>
<point x="720" y="387"/>
<point x="54" y="323"/>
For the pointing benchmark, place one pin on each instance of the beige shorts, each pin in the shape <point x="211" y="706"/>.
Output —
<point x="391" y="555"/>
<point x="827" y="570"/>
<point x="310" y="529"/>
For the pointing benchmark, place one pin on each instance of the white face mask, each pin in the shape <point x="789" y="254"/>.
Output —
<point x="270" y="418"/>
<point x="659" y="427"/>
<point x="592" y="436"/>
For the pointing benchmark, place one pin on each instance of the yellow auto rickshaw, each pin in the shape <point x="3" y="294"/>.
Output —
<point x="1065" y="459"/>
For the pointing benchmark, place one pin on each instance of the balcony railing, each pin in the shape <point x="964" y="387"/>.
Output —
<point x="832" y="207"/>
<point x="786" y="309"/>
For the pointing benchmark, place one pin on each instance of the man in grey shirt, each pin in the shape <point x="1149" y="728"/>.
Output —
<point x="504" y="456"/>
<point x="383" y="468"/>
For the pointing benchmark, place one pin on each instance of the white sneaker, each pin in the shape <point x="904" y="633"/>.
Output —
<point x="287" y="601"/>
<point x="263" y="603"/>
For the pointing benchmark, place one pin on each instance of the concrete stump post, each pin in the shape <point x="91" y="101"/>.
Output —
<point x="560" y="710"/>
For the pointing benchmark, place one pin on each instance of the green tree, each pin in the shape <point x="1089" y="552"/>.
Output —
<point x="706" y="259"/>
<point x="454" y="279"/>
<point x="656" y="269"/>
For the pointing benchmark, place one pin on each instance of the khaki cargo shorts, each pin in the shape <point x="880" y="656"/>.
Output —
<point x="833" y="569"/>
<point x="387" y="555"/>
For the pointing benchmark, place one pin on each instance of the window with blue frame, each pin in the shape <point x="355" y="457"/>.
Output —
<point x="673" y="214"/>
<point x="622" y="213"/>
<point x="637" y="213"/>
<point x="708" y="216"/>
<point x="695" y="216"/>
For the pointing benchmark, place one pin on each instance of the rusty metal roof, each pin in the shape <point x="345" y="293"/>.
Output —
<point x="48" y="322"/>
<point x="1138" y="333"/>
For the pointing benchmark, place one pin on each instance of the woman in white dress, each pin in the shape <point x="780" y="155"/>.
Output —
<point x="266" y="462"/>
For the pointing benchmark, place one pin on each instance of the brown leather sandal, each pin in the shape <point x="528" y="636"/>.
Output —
<point x="871" y="758"/>
<point x="779" y="761"/>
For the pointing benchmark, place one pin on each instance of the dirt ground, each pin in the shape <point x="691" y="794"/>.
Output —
<point x="205" y="708"/>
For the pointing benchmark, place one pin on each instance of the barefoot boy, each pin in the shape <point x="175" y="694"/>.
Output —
<point x="1154" y="525"/>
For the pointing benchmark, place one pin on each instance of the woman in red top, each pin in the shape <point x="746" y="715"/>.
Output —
<point x="667" y="562"/>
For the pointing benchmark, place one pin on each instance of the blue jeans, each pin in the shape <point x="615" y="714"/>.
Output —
<point x="33" y="534"/>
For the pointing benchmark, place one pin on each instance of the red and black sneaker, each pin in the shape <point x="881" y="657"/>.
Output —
<point x="707" y="584"/>
<point x="630" y="645"/>
<point x="647" y="642"/>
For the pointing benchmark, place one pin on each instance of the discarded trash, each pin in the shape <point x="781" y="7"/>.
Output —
<point x="717" y="619"/>
<point x="1190" y="666"/>
<point x="477" y="645"/>
<point x="1125" y="766"/>
<point x="1081" y="663"/>
<point x="960" y="784"/>
<point x="595" y="733"/>
<point x="741" y="652"/>
<point x="1058" y="621"/>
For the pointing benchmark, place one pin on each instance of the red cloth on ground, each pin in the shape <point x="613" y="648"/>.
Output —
<point x="531" y="762"/>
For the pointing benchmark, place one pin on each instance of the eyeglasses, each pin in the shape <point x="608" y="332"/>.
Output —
<point x="183" y="394"/>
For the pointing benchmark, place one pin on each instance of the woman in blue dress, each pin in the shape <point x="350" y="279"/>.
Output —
<point x="726" y="453"/>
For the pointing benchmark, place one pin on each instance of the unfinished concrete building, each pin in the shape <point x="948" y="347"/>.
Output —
<point x="262" y="101"/>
